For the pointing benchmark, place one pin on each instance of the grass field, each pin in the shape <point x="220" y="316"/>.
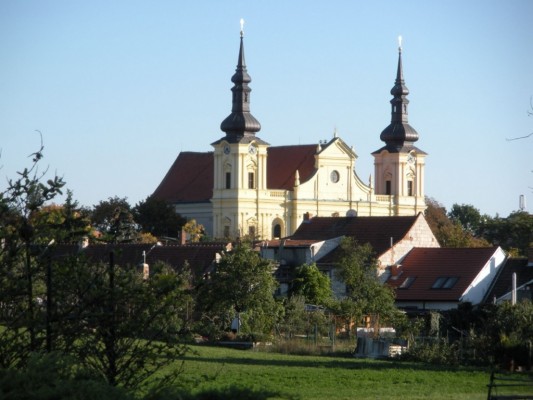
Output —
<point x="323" y="377"/>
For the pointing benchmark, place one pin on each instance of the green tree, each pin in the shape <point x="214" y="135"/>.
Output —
<point x="115" y="324"/>
<point x="365" y="294"/>
<point x="23" y="246"/>
<point x="240" y="285"/>
<point x="514" y="233"/>
<point x="118" y="325"/>
<point x="297" y="318"/>
<point x="194" y="230"/>
<point x="294" y="318"/>
<point x="449" y="233"/>
<point x="311" y="283"/>
<point x="158" y="217"/>
<point x="65" y="223"/>
<point x="468" y="216"/>
<point x="113" y="218"/>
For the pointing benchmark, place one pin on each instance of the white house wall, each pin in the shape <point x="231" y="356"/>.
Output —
<point x="475" y="293"/>
<point x="320" y="249"/>
<point x="420" y="235"/>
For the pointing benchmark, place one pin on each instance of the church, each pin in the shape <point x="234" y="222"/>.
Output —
<point x="246" y="187"/>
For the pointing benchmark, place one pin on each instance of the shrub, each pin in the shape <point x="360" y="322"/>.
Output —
<point x="438" y="352"/>
<point x="55" y="376"/>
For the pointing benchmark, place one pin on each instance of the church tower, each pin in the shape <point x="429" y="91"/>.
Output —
<point x="399" y="165"/>
<point x="240" y="159"/>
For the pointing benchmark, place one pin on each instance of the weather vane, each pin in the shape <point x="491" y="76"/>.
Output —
<point x="242" y="27"/>
<point x="400" y="43"/>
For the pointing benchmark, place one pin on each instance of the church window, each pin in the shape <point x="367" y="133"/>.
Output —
<point x="276" y="231"/>
<point x="251" y="180"/>
<point x="251" y="231"/>
<point x="410" y="188"/>
<point x="388" y="189"/>
<point x="334" y="176"/>
<point x="226" y="231"/>
<point x="228" y="180"/>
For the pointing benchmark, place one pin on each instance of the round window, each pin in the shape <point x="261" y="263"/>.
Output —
<point x="334" y="176"/>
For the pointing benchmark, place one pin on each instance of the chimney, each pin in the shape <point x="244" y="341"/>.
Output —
<point x="146" y="271"/>
<point x="395" y="270"/>
<point x="307" y="216"/>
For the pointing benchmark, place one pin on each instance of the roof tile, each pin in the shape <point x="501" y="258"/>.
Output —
<point x="377" y="231"/>
<point x="429" y="264"/>
<point x="190" y="178"/>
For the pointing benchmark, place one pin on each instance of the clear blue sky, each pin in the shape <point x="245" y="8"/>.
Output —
<point x="119" y="88"/>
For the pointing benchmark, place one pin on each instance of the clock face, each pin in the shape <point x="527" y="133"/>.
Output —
<point x="226" y="149"/>
<point x="334" y="176"/>
<point x="252" y="149"/>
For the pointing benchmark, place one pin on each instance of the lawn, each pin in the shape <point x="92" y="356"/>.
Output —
<point x="324" y="377"/>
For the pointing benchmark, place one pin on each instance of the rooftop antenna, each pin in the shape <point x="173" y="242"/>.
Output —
<point x="242" y="27"/>
<point x="522" y="203"/>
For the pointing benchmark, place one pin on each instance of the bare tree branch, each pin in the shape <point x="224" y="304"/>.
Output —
<point x="521" y="137"/>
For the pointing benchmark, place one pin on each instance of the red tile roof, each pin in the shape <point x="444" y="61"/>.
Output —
<point x="198" y="256"/>
<point x="428" y="264"/>
<point x="284" y="161"/>
<point x="288" y="242"/>
<point x="190" y="178"/>
<point x="377" y="231"/>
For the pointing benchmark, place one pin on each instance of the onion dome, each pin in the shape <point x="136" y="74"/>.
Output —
<point x="240" y="122"/>
<point x="399" y="133"/>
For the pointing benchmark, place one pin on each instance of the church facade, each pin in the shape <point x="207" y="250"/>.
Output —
<point x="246" y="187"/>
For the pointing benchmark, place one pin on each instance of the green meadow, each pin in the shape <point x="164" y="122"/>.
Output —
<point x="216" y="369"/>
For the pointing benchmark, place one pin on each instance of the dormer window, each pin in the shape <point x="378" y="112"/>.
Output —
<point x="445" y="282"/>
<point x="406" y="284"/>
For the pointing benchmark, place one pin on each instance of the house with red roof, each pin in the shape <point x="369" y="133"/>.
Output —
<point x="410" y="259"/>
<point x="199" y="257"/>
<point x="441" y="278"/>
<point x="246" y="187"/>
<point x="317" y="239"/>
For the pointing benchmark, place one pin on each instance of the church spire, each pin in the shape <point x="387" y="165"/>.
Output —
<point x="240" y="122"/>
<point x="399" y="133"/>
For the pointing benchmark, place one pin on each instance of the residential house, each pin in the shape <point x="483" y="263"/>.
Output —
<point x="317" y="241"/>
<point x="441" y="278"/>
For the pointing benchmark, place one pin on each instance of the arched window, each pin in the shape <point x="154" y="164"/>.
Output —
<point x="388" y="183"/>
<point x="276" y="231"/>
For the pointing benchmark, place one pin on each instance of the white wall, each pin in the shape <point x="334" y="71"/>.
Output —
<point x="475" y="293"/>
